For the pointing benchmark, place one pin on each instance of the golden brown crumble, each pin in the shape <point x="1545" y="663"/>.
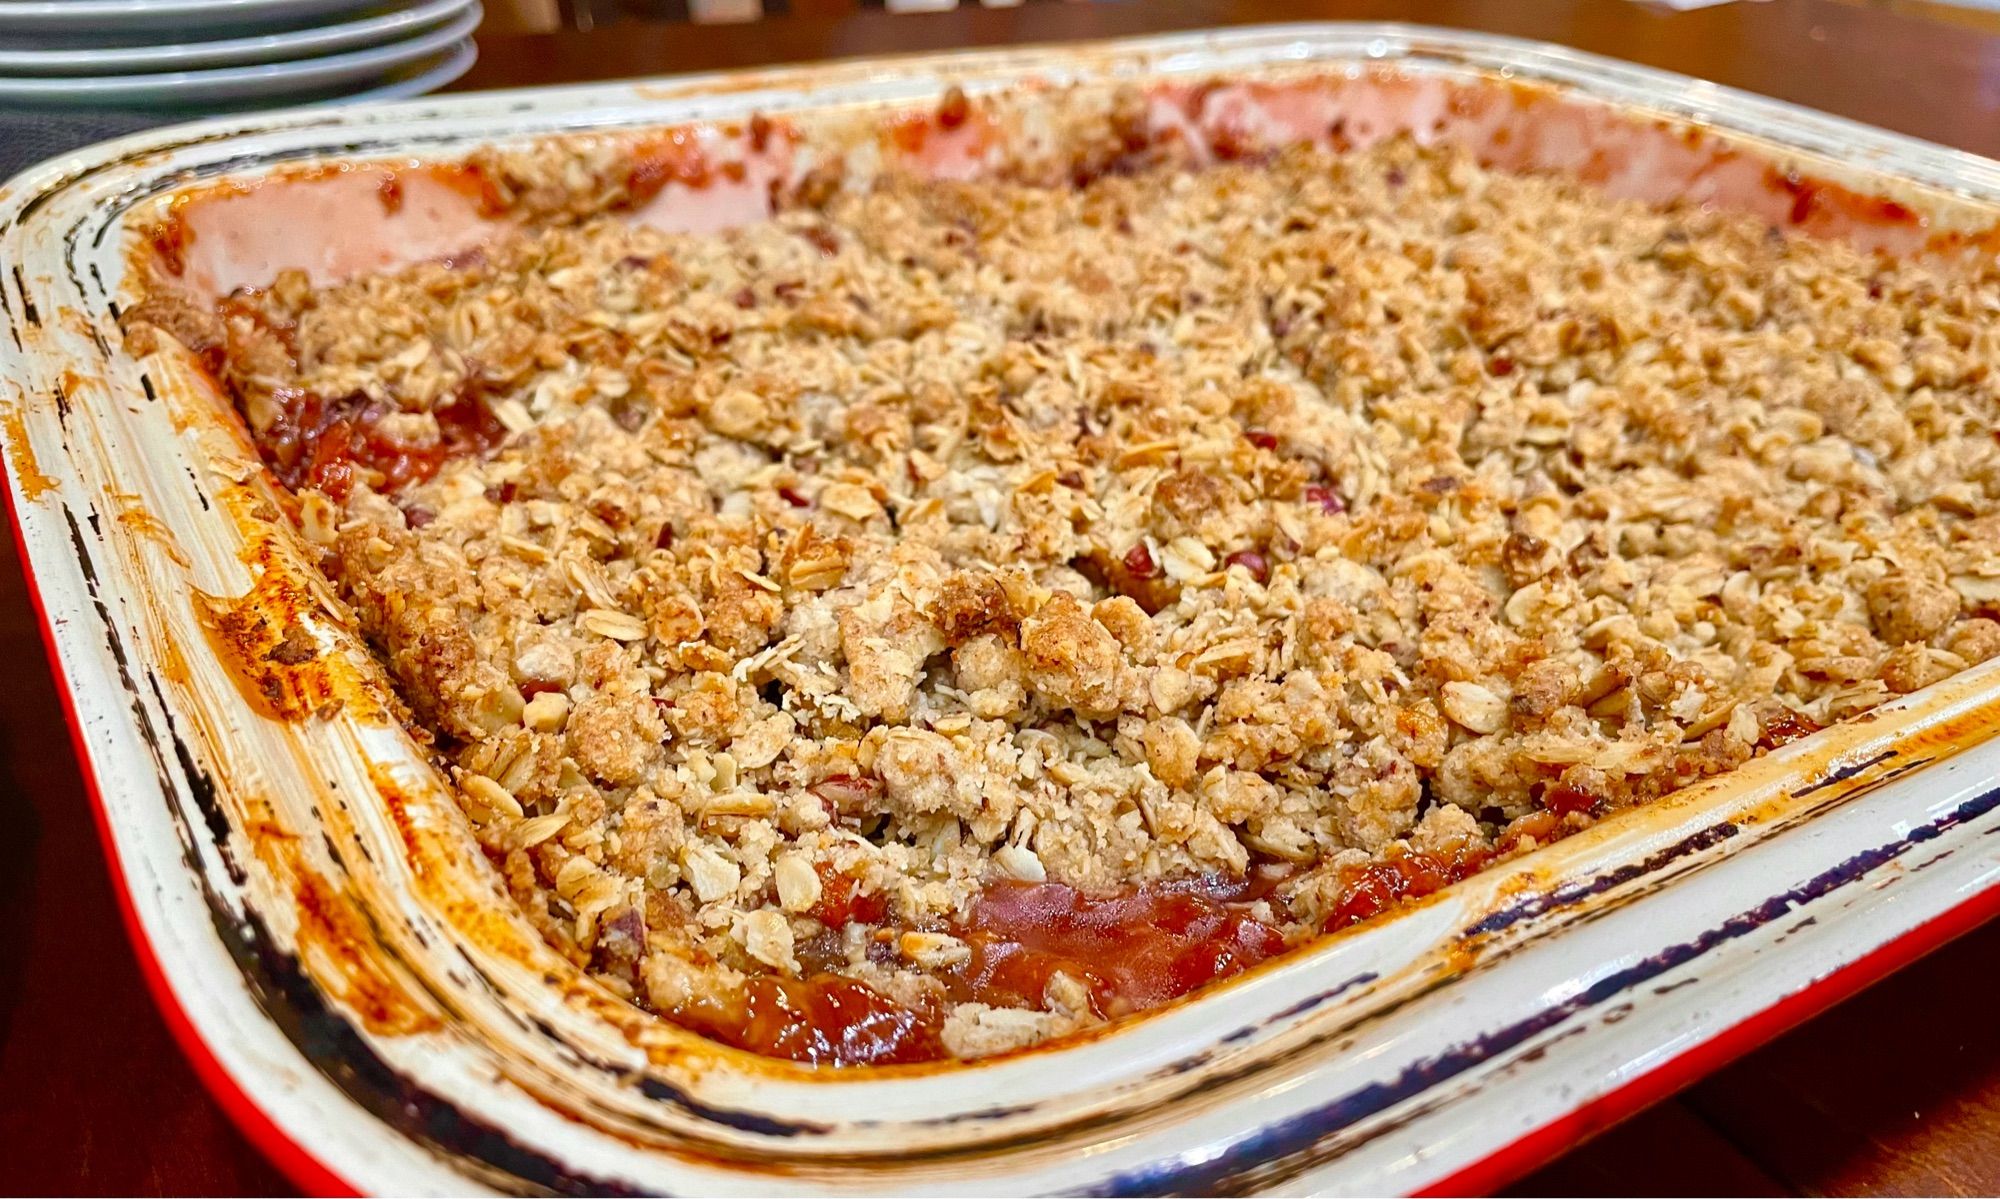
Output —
<point x="1311" y="511"/>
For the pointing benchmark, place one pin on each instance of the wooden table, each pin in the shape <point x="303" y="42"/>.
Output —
<point x="1894" y="1092"/>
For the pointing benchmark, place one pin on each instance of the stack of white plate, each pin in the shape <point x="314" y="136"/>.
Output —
<point x="217" y="54"/>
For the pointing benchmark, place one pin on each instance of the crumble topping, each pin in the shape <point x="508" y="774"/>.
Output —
<point x="862" y="635"/>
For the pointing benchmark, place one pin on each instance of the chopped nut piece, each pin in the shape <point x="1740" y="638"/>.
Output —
<point x="767" y="936"/>
<point x="319" y="520"/>
<point x="738" y="413"/>
<point x="546" y="712"/>
<point x="1474" y="706"/>
<point x="934" y="951"/>
<point x="1020" y="863"/>
<point x="798" y="883"/>
<point x="712" y="876"/>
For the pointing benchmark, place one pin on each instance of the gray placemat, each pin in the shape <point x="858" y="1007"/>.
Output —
<point x="29" y="136"/>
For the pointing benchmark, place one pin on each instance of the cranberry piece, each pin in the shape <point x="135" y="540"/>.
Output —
<point x="1564" y="800"/>
<point x="418" y="516"/>
<point x="664" y="539"/>
<point x="628" y="412"/>
<point x="1139" y="561"/>
<point x="793" y="498"/>
<point x="1262" y="439"/>
<point x="954" y="108"/>
<point x="1252" y="561"/>
<point x="1500" y="366"/>
<point x="1327" y="498"/>
<point x="1786" y="726"/>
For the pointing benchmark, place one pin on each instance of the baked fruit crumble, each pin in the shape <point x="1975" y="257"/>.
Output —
<point x="952" y="614"/>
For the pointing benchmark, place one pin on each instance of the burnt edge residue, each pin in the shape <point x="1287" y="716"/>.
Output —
<point x="261" y="641"/>
<point x="1571" y="894"/>
<point x="332" y="927"/>
<point x="28" y="312"/>
<point x="1574" y="893"/>
<point x="1203" y="1057"/>
<point x="1303" y="1006"/>
<point x="1843" y="773"/>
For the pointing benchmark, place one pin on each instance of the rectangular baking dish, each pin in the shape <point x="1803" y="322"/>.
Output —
<point x="344" y="969"/>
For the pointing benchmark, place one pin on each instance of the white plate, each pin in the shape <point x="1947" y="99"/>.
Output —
<point x="371" y="30"/>
<point x="227" y="85"/>
<point x="122" y="17"/>
<point x="456" y="62"/>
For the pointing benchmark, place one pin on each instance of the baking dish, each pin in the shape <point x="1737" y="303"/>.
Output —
<point x="346" y="969"/>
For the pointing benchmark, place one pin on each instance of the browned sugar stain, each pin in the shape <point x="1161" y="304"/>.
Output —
<point x="263" y="639"/>
<point x="27" y="472"/>
<point x="334" y="941"/>
<point x="134" y="516"/>
<point x="272" y="659"/>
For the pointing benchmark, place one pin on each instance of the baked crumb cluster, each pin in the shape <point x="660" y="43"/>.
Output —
<point x="1293" y="516"/>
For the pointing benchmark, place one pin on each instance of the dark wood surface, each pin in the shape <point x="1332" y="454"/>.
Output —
<point x="1894" y="1092"/>
<point x="1933" y="78"/>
